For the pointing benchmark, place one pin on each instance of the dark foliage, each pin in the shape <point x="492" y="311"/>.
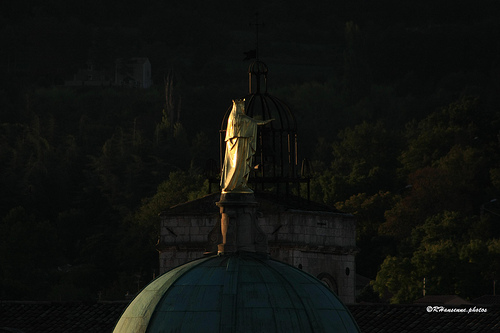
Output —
<point x="397" y="103"/>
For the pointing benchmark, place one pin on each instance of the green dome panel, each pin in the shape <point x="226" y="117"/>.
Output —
<point x="236" y="293"/>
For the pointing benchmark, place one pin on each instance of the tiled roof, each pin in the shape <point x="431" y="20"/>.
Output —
<point x="487" y="299"/>
<point x="413" y="318"/>
<point x="441" y="300"/>
<point x="40" y="317"/>
<point x="100" y="317"/>
<point x="267" y="202"/>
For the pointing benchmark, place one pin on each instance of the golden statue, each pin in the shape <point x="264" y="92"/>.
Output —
<point x="241" y="142"/>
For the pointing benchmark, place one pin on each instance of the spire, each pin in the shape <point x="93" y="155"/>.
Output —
<point x="257" y="68"/>
<point x="257" y="25"/>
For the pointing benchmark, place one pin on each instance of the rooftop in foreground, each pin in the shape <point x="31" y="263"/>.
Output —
<point x="59" y="317"/>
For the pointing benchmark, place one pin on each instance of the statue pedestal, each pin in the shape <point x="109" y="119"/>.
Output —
<point x="239" y="228"/>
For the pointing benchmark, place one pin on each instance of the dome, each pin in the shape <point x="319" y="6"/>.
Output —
<point x="241" y="292"/>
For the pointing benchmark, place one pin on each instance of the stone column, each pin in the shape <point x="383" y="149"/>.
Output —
<point x="240" y="232"/>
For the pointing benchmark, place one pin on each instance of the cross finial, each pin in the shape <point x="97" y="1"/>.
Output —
<point x="256" y="24"/>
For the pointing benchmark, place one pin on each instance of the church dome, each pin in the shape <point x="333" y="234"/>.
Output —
<point x="242" y="292"/>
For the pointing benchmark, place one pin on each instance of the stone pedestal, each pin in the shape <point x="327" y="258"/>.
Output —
<point x="239" y="228"/>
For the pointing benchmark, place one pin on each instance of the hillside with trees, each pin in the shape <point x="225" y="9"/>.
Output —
<point x="398" y="110"/>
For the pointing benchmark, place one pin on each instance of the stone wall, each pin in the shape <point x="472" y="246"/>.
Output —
<point x="323" y="244"/>
<point x="310" y="228"/>
<point x="183" y="238"/>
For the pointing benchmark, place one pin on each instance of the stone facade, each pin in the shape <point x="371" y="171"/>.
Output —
<point x="183" y="238"/>
<point x="321" y="243"/>
<point x="317" y="239"/>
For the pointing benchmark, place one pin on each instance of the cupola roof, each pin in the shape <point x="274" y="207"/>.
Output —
<point x="240" y="292"/>
<point x="276" y="160"/>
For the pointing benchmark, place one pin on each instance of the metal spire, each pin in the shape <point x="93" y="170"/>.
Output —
<point x="256" y="24"/>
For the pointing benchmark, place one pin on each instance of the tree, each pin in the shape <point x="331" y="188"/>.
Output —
<point x="458" y="124"/>
<point x="365" y="157"/>
<point x="181" y="186"/>
<point x="395" y="280"/>
<point x="444" y="252"/>
<point x="457" y="182"/>
<point x="369" y="213"/>
<point x="29" y="255"/>
<point x="140" y="233"/>
<point x="449" y="256"/>
<point x="431" y="191"/>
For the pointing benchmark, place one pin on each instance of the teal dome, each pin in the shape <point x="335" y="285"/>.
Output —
<point x="236" y="293"/>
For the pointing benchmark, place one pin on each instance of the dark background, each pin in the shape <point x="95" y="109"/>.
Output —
<point x="387" y="94"/>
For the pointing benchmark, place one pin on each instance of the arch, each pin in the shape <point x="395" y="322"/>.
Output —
<point x="329" y="281"/>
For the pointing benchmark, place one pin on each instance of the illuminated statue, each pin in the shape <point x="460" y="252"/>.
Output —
<point x="241" y="143"/>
